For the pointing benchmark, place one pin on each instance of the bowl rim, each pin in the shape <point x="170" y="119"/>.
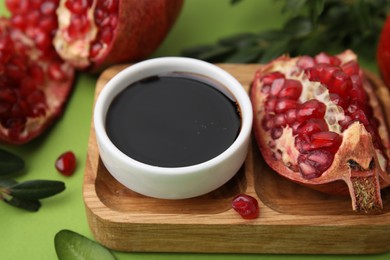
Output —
<point x="185" y="65"/>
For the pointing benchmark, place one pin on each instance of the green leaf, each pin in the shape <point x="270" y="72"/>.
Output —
<point x="240" y="40"/>
<point x="298" y="27"/>
<point x="70" y="245"/>
<point x="216" y="54"/>
<point x="294" y="6"/>
<point x="37" y="189"/>
<point x="275" y="51"/>
<point x="316" y="7"/>
<point x="245" y="55"/>
<point x="10" y="163"/>
<point x="7" y="182"/>
<point x="26" y="204"/>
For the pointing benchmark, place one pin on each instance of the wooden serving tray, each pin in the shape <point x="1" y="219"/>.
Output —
<point x="293" y="219"/>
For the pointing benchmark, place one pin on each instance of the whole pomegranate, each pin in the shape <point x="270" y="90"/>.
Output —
<point x="43" y="41"/>
<point x="318" y="123"/>
<point x="383" y="53"/>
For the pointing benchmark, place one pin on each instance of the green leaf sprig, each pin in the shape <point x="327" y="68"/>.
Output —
<point x="70" y="245"/>
<point x="25" y="195"/>
<point x="313" y="26"/>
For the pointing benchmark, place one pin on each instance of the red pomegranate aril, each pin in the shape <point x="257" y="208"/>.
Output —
<point x="48" y="8"/>
<point x="66" y="163"/>
<point x="270" y="104"/>
<point x="351" y="68"/>
<point x="15" y="69"/>
<point x="305" y="62"/>
<point x="311" y="126"/>
<point x="95" y="49"/>
<point x="77" y="6"/>
<point x="291" y="116"/>
<point x="19" y="21"/>
<point x="326" y="75"/>
<point x="340" y="83"/>
<point x="267" y="122"/>
<point x="42" y="40"/>
<point x="292" y="89"/>
<point x="270" y="77"/>
<point x="342" y="102"/>
<point x="314" y="73"/>
<point x="359" y="94"/>
<point x="106" y="35"/>
<point x="327" y="59"/>
<point x="109" y="5"/>
<point x="17" y="6"/>
<point x="277" y="86"/>
<point x="360" y="116"/>
<point x="79" y="26"/>
<point x="284" y="104"/>
<point x="48" y="23"/>
<point x="311" y="109"/>
<point x="280" y="120"/>
<point x="328" y="140"/>
<point x="247" y="206"/>
<point x="276" y="133"/>
<point x="302" y="143"/>
<point x="314" y="163"/>
<point x="32" y="18"/>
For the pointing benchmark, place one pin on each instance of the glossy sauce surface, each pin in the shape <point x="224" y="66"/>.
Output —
<point x="172" y="121"/>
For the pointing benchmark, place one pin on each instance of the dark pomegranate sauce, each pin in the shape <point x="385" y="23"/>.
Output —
<point x="172" y="121"/>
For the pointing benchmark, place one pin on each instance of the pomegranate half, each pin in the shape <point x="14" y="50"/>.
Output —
<point x="318" y="123"/>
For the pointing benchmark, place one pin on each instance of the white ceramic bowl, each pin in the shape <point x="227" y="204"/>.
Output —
<point x="175" y="182"/>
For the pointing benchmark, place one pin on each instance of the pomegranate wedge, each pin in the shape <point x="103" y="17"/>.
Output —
<point x="318" y="122"/>
<point x="34" y="84"/>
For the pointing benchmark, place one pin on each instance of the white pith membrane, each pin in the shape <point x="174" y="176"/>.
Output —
<point x="285" y="145"/>
<point x="75" y="51"/>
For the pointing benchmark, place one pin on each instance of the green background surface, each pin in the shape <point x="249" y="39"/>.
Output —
<point x="26" y="235"/>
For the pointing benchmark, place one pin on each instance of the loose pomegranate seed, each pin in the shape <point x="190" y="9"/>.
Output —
<point x="66" y="163"/>
<point x="247" y="206"/>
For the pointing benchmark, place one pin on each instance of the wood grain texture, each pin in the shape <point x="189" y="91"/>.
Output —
<point x="293" y="219"/>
